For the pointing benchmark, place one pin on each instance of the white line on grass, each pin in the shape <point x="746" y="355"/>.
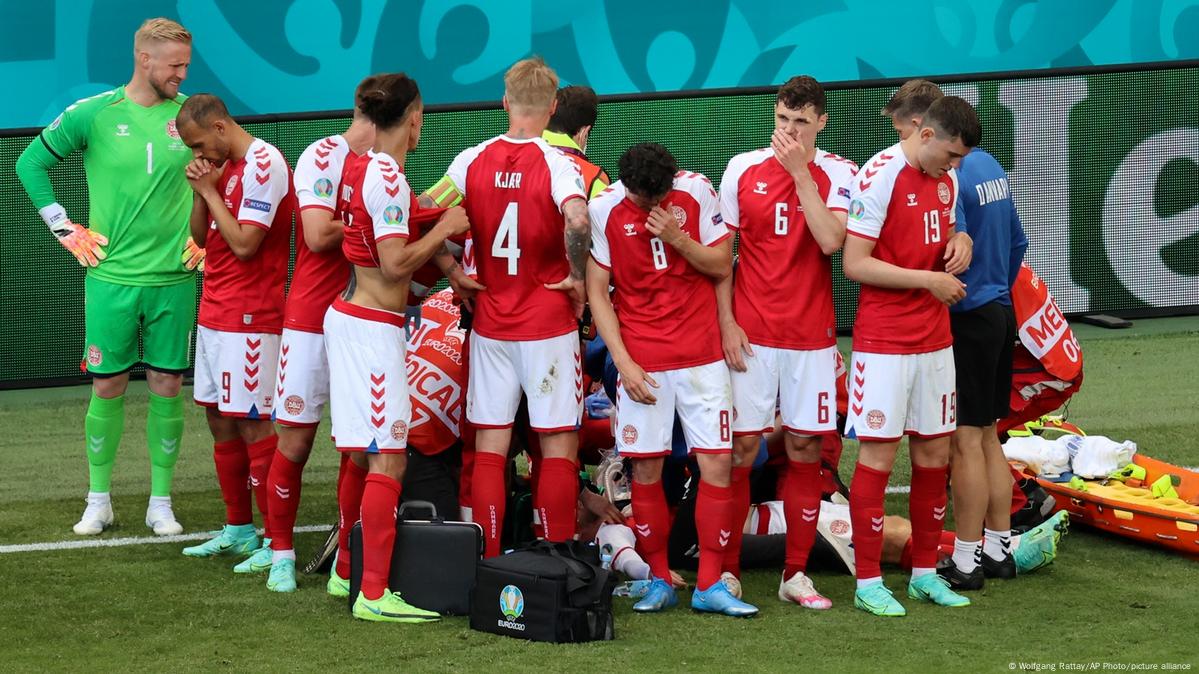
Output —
<point x="183" y="538"/>
<point x="131" y="540"/>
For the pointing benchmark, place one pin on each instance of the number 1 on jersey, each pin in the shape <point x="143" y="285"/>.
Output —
<point x="149" y="158"/>
<point x="505" y="243"/>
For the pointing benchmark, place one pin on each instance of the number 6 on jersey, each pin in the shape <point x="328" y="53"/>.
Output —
<point x="505" y="244"/>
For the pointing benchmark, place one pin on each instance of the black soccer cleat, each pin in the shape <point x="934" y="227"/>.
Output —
<point x="960" y="581"/>
<point x="1003" y="569"/>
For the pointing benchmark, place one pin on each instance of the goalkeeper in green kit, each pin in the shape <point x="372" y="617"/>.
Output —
<point x="140" y="260"/>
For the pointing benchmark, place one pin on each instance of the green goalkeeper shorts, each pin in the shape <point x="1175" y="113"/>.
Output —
<point x="115" y="313"/>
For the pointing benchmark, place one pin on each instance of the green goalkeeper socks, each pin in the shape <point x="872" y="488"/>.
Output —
<point x="102" y="428"/>
<point x="164" y="432"/>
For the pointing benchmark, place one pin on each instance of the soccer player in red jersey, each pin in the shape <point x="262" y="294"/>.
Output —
<point x="302" y="384"/>
<point x="531" y="233"/>
<point x="364" y="332"/>
<point x="903" y="250"/>
<point x="242" y="215"/>
<point x="789" y="202"/>
<point x="658" y="238"/>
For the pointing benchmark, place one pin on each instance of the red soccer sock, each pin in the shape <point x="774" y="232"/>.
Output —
<point x="801" y="506"/>
<point x="739" y="509"/>
<point x="866" y="515"/>
<point x="713" y="506"/>
<point x="652" y="527"/>
<point x="926" y="509"/>
<point x="379" y="501"/>
<point x="283" y="489"/>
<point x="233" y="474"/>
<point x="261" y="453"/>
<point x="489" y="496"/>
<point x="557" y="498"/>
<point x="945" y="548"/>
<point x="350" y="484"/>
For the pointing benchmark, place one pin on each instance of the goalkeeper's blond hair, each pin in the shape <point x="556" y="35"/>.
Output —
<point x="530" y="85"/>
<point x="159" y="30"/>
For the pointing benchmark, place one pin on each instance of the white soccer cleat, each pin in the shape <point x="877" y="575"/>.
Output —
<point x="97" y="516"/>
<point x="733" y="583"/>
<point x="799" y="589"/>
<point x="161" y="518"/>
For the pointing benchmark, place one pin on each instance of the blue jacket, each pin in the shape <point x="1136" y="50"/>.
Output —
<point x="986" y="212"/>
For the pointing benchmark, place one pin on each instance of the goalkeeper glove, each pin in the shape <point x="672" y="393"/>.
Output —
<point x="80" y="241"/>
<point x="193" y="256"/>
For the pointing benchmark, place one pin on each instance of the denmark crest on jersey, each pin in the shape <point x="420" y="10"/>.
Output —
<point x="679" y="214"/>
<point x="172" y="130"/>
<point x="943" y="193"/>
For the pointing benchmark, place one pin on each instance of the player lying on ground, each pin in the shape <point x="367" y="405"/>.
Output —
<point x="242" y="213"/>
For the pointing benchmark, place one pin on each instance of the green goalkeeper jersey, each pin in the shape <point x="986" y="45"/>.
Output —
<point x="139" y="196"/>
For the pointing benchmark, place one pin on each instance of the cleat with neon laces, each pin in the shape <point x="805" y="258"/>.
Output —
<point x="337" y="586"/>
<point x="1038" y="546"/>
<point x="659" y="597"/>
<point x="391" y="608"/>
<point x="283" y="576"/>
<point x="258" y="562"/>
<point x="933" y="588"/>
<point x="718" y="599"/>
<point x="240" y="539"/>
<point x="878" y="600"/>
<point x="161" y="518"/>
<point x="732" y="582"/>
<point x="97" y="516"/>
<point x="800" y="590"/>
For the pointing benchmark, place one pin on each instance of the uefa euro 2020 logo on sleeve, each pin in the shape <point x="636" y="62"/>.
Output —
<point x="512" y="605"/>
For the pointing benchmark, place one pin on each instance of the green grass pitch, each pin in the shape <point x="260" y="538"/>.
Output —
<point x="147" y="608"/>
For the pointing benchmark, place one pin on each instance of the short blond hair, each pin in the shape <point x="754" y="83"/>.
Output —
<point x="159" y="30"/>
<point x="531" y="84"/>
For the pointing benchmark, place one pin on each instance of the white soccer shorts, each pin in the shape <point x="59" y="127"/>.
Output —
<point x="803" y="383"/>
<point x="892" y="395"/>
<point x="368" y="380"/>
<point x="700" y="395"/>
<point x="302" y="384"/>
<point x="235" y="372"/>
<point x="548" y="371"/>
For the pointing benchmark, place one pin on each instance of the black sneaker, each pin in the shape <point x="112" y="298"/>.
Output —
<point x="1004" y="569"/>
<point x="959" y="581"/>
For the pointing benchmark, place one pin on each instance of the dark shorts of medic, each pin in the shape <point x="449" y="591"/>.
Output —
<point x="982" y="356"/>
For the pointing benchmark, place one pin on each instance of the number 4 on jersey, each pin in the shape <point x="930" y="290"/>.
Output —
<point x="505" y="244"/>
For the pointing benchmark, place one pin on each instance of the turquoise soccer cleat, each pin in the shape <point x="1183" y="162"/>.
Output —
<point x="239" y="539"/>
<point x="1038" y="546"/>
<point x="283" y="576"/>
<point x="935" y="589"/>
<point x="718" y="599"/>
<point x="337" y="586"/>
<point x="658" y="597"/>
<point x="258" y="562"/>
<point x="876" y="599"/>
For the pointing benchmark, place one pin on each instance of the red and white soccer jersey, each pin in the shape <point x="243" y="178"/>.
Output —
<point x="241" y="308"/>
<point x="248" y="296"/>
<point x="910" y="216"/>
<point x="667" y="313"/>
<point x="302" y="386"/>
<point x="783" y="291"/>
<point x="902" y="377"/>
<point x="667" y="308"/>
<point x="514" y="191"/>
<point x="318" y="277"/>
<point x="368" y="387"/>
<point x="437" y="375"/>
